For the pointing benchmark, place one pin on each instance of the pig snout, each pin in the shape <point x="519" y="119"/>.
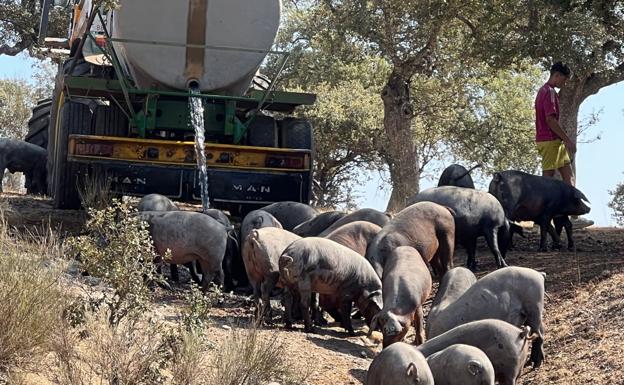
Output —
<point x="392" y="329"/>
<point x="583" y="208"/>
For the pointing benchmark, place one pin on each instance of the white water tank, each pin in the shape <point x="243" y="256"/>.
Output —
<point x="238" y="24"/>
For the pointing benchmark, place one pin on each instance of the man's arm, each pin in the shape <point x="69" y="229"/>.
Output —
<point x="556" y="128"/>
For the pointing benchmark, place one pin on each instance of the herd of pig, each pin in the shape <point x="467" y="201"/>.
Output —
<point x="477" y="331"/>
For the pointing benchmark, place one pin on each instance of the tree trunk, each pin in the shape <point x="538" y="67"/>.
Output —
<point x="570" y="99"/>
<point x="400" y="151"/>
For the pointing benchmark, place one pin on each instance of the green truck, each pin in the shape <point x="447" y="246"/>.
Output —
<point x="121" y="106"/>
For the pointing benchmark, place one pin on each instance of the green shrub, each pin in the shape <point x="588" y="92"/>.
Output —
<point x="617" y="203"/>
<point x="118" y="249"/>
<point x="196" y="315"/>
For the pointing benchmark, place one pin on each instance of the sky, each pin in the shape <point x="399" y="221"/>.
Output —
<point x="600" y="164"/>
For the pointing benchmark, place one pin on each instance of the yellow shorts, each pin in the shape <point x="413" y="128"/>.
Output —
<point x="554" y="154"/>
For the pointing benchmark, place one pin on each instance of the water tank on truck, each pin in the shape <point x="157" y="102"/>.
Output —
<point x="225" y="25"/>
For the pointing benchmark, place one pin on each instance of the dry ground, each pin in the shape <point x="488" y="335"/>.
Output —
<point x="584" y="313"/>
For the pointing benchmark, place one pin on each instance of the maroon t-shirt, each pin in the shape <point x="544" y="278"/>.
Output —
<point x="546" y="103"/>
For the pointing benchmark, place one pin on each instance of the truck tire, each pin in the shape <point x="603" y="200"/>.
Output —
<point x="296" y="133"/>
<point x="38" y="124"/>
<point x="109" y="121"/>
<point x="263" y="132"/>
<point x="74" y="118"/>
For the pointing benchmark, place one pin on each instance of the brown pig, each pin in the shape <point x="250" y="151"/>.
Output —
<point x="406" y="286"/>
<point x="355" y="235"/>
<point x="261" y="253"/>
<point x="425" y="226"/>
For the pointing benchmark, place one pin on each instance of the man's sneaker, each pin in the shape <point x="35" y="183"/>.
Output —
<point x="581" y="223"/>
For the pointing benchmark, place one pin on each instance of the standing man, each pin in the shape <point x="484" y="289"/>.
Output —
<point x="553" y="144"/>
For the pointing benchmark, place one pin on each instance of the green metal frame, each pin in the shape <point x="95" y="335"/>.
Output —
<point x="146" y="119"/>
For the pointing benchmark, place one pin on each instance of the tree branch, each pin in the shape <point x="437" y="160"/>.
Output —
<point x="468" y="23"/>
<point x="596" y="81"/>
<point x="20" y="46"/>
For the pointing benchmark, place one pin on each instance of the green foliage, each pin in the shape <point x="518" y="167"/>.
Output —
<point x="617" y="203"/>
<point x="496" y="128"/>
<point x="196" y="316"/>
<point x="19" y="25"/>
<point x="18" y="96"/>
<point x="31" y="298"/>
<point x="457" y="101"/>
<point x="16" y="101"/>
<point x="347" y="124"/>
<point x="118" y="249"/>
<point x="347" y="117"/>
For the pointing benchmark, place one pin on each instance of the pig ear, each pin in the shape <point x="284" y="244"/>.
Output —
<point x="474" y="367"/>
<point x="517" y="229"/>
<point x="376" y="298"/>
<point x="579" y="195"/>
<point x="412" y="371"/>
<point x="373" y="325"/>
<point x="285" y="260"/>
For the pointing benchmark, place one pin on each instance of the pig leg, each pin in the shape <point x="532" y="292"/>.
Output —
<point x="219" y="277"/>
<point x="419" y="326"/>
<point x="175" y="276"/>
<point x="209" y="274"/>
<point x="288" y="304"/>
<point x="228" y="284"/>
<point x="305" y="293"/>
<point x="345" y="315"/>
<point x="257" y="290"/>
<point x="491" y="237"/>
<point x="442" y="260"/>
<point x="553" y="234"/>
<point x="266" y="288"/>
<point x="317" y="311"/>
<point x="471" y="251"/>
<point x="194" y="276"/>
<point x="2" y="170"/>
<point x="534" y="321"/>
<point x="545" y="229"/>
<point x="564" y="223"/>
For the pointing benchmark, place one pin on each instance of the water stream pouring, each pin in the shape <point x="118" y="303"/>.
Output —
<point x="196" y="109"/>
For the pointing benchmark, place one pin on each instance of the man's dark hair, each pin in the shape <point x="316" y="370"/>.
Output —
<point x="560" y="67"/>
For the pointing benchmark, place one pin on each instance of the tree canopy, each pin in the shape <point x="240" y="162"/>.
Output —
<point x="458" y="108"/>
<point x="405" y="84"/>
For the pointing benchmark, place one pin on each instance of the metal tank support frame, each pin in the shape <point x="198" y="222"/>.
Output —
<point x="145" y="120"/>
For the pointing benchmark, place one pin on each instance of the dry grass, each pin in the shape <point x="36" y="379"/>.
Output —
<point x="247" y="358"/>
<point x="129" y="353"/>
<point x="189" y="361"/>
<point x="31" y="300"/>
<point x="14" y="182"/>
<point x="95" y="191"/>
